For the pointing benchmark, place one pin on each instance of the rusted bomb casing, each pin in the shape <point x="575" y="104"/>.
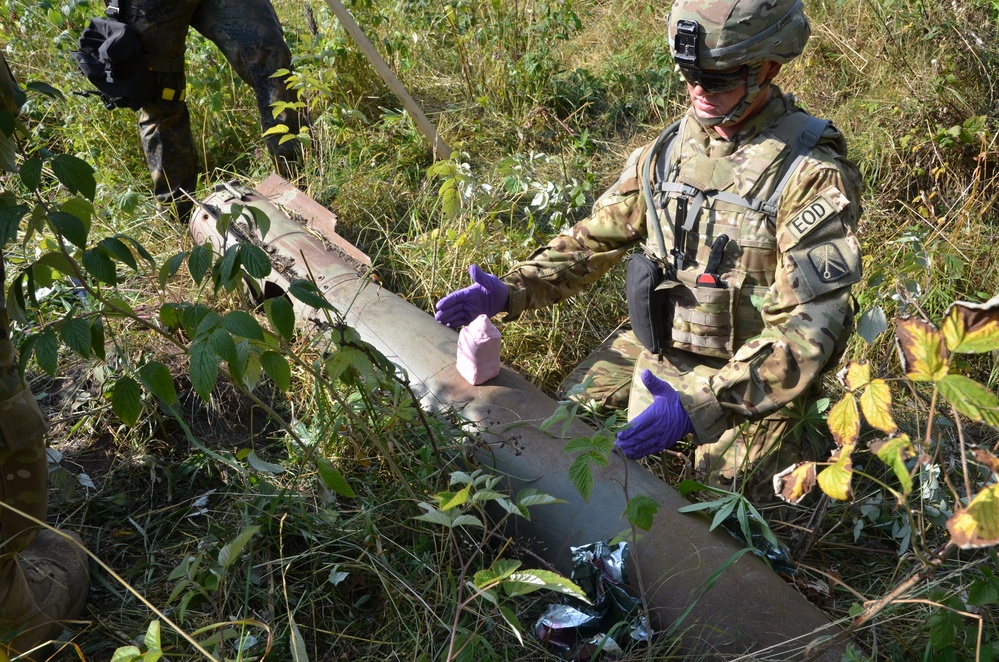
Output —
<point x="747" y="610"/>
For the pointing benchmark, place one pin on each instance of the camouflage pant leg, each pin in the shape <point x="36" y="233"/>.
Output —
<point x="23" y="463"/>
<point x="746" y="458"/>
<point x="165" y="124"/>
<point x="609" y="368"/>
<point x="249" y="34"/>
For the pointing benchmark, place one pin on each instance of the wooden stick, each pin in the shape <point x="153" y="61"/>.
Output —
<point x="441" y="148"/>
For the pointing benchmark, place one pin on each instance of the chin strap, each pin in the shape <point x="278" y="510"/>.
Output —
<point x="753" y="90"/>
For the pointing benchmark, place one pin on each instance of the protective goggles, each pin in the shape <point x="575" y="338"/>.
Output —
<point x="714" y="82"/>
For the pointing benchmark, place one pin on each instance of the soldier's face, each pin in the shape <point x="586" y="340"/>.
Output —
<point x="708" y="103"/>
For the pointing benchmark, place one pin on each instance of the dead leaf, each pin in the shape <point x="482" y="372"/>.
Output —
<point x="794" y="483"/>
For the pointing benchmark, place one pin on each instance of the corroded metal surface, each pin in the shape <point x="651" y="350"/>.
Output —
<point x="747" y="608"/>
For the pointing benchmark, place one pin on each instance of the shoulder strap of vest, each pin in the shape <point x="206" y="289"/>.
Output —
<point x="800" y="130"/>
<point x="808" y="137"/>
<point x="652" y="218"/>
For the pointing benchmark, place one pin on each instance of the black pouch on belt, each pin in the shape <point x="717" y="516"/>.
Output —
<point x="648" y="302"/>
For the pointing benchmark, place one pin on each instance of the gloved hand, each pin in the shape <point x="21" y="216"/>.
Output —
<point x="487" y="295"/>
<point x="660" y="426"/>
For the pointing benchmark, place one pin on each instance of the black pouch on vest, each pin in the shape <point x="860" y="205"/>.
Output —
<point x="111" y="57"/>
<point x="648" y="303"/>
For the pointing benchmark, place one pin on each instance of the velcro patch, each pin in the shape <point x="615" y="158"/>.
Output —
<point x="828" y="262"/>
<point x="829" y="202"/>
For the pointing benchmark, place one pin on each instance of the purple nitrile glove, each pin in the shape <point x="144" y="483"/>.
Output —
<point x="487" y="295"/>
<point x="660" y="426"/>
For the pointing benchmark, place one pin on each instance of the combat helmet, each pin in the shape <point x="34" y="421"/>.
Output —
<point x="725" y="35"/>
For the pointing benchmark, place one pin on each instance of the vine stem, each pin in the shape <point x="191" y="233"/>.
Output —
<point x="874" y="607"/>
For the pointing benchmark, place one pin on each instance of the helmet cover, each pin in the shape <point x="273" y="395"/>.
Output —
<point x="725" y="34"/>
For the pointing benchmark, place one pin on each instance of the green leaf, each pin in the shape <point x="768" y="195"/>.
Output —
<point x="254" y="260"/>
<point x="640" y="511"/>
<point x="511" y="619"/>
<point x="10" y="221"/>
<point x="152" y="643"/>
<point x="120" y="251"/>
<point x="75" y="333"/>
<point x="199" y="262"/>
<point x="100" y="266"/>
<point x="333" y="479"/>
<point x="970" y="398"/>
<point x="308" y="293"/>
<point x="47" y="352"/>
<point x="127" y="654"/>
<point x="170" y="268"/>
<point x="299" y="652"/>
<point x="75" y="174"/>
<point x="281" y="315"/>
<point x="97" y="338"/>
<point x="156" y="377"/>
<point x="582" y="476"/>
<point x="243" y="324"/>
<point x="70" y="227"/>
<point x="531" y="497"/>
<point x="126" y="401"/>
<point x="499" y="570"/>
<point x="434" y="516"/>
<point x="228" y="267"/>
<point x="529" y="581"/>
<point x="260" y="465"/>
<point x="204" y="371"/>
<point x="260" y="219"/>
<point x="79" y="207"/>
<point x="221" y="342"/>
<point x="894" y="453"/>
<point x="276" y="367"/>
<point x="31" y="173"/>
<point x="231" y="551"/>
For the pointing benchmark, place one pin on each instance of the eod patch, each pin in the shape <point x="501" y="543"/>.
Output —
<point x="827" y="203"/>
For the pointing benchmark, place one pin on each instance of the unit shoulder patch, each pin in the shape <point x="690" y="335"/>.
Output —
<point x="829" y="202"/>
<point x="828" y="262"/>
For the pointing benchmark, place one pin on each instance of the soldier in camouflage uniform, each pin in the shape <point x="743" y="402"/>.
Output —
<point x="44" y="579"/>
<point x="249" y="35"/>
<point x="752" y="334"/>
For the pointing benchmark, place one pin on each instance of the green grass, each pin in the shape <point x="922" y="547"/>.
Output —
<point x="505" y="82"/>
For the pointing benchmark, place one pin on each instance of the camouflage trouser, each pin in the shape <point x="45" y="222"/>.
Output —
<point x="23" y="463"/>
<point x="744" y="460"/>
<point x="249" y="35"/>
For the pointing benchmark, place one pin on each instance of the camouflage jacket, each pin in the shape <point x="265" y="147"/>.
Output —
<point x="787" y="301"/>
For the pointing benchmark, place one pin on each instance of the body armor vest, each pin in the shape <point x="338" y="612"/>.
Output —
<point x="719" y="216"/>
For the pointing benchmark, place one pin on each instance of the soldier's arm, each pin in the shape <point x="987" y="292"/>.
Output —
<point x="575" y="259"/>
<point x="807" y="312"/>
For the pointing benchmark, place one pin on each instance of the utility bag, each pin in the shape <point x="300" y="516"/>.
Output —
<point x="646" y="287"/>
<point x="111" y="58"/>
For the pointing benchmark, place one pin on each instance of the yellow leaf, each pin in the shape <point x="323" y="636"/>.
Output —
<point x="835" y="479"/>
<point x="855" y="375"/>
<point x="844" y="421"/>
<point x="794" y="483"/>
<point x="972" y="328"/>
<point x="978" y="524"/>
<point x="875" y="403"/>
<point x="894" y="452"/>
<point x="922" y="349"/>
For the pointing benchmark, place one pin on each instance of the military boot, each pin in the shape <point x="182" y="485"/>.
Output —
<point x="46" y="586"/>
